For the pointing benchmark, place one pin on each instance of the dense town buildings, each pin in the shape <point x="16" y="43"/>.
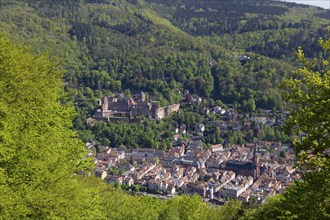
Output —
<point x="238" y="172"/>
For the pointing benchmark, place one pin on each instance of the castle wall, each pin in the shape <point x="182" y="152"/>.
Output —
<point x="160" y="113"/>
<point x="173" y="108"/>
<point x="120" y="106"/>
<point x="142" y="108"/>
<point x="106" y="113"/>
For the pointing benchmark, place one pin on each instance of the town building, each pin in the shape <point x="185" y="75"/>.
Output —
<point x="245" y="168"/>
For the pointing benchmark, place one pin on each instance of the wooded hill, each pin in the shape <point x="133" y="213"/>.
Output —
<point x="162" y="47"/>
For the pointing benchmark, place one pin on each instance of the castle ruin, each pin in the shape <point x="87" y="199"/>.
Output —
<point x="131" y="107"/>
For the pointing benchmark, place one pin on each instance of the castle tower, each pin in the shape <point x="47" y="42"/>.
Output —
<point x="104" y="103"/>
<point x="105" y="112"/>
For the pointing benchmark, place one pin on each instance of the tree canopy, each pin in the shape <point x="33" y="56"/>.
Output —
<point x="38" y="151"/>
<point x="309" y="91"/>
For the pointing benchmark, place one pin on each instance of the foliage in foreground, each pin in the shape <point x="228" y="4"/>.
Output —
<point x="38" y="151"/>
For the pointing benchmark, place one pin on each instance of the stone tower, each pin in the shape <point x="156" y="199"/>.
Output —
<point x="104" y="103"/>
<point x="105" y="112"/>
<point x="256" y="163"/>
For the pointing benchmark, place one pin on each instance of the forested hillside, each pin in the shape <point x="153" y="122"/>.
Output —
<point x="264" y="28"/>
<point x="162" y="47"/>
<point x="270" y="28"/>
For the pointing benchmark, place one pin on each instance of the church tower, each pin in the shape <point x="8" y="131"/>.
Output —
<point x="256" y="164"/>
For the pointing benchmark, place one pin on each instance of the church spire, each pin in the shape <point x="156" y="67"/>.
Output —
<point x="255" y="162"/>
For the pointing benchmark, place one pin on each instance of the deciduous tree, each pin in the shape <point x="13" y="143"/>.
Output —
<point x="39" y="154"/>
